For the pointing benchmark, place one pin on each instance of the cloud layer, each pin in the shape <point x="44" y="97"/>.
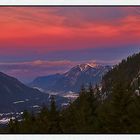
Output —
<point x="42" y="30"/>
<point x="27" y="71"/>
<point x="45" y="40"/>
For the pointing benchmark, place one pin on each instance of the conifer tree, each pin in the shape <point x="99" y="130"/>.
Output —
<point x="54" y="118"/>
<point x="11" y="126"/>
<point x="114" y="114"/>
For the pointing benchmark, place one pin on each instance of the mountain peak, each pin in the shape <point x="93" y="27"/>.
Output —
<point x="81" y="68"/>
<point x="73" y="79"/>
<point x="86" y="66"/>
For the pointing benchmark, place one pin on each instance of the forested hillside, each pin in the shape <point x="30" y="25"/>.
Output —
<point x="125" y="73"/>
<point x="93" y="111"/>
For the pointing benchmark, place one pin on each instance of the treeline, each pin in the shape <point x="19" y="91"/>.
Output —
<point x="114" y="108"/>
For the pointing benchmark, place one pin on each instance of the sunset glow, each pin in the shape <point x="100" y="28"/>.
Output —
<point x="60" y="37"/>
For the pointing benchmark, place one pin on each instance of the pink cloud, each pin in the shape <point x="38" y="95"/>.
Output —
<point x="43" y="30"/>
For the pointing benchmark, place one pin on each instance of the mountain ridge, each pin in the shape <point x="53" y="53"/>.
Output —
<point x="73" y="79"/>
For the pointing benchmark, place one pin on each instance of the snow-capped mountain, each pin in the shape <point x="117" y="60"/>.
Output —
<point x="82" y="74"/>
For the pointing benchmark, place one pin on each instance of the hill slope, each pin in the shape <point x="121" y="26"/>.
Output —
<point x="15" y="96"/>
<point x="127" y="72"/>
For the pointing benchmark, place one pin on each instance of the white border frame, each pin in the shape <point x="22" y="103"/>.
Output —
<point x="69" y="137"/>
<point x="63" y="3"/>
<point x="69" y="2"/>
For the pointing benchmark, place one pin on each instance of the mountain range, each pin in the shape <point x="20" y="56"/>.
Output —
<point x="72" y="80"/>
<point x="120" y="92"/>
<point x="15" y="96"/>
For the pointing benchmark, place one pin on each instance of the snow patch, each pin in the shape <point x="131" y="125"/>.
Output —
<point x="17" y="102"/>
<point x="6" y="120"/>
<point x="36" y="106"/>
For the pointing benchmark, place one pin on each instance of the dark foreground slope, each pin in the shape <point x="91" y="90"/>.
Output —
<point x="127" y="72"/>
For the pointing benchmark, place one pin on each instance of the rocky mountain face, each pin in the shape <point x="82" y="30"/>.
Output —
<point x="82" y="74"/>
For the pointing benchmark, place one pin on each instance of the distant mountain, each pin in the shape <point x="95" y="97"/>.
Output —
<point x="15" y="96"/>
<point x="72" y="80"/>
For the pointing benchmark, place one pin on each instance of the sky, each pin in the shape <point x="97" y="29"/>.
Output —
<point x="37" y="41"/>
